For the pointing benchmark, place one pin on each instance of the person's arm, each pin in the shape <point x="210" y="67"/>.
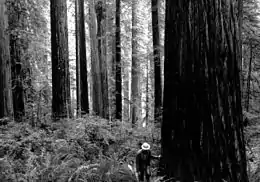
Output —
<point x="155" y="156"/>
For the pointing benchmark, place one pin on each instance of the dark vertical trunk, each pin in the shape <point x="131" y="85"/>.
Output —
<point x="83" y="61"/>
<point x="6" y="105"/>
<point x="61" y="103"/>
<point x="157" y="62"/>
<point x="147" y="109"/>
<point x="101" y="36"/>
<point x="118" y="65"/>
<point x="202" y="128"/>
<point x="247" y="104"/>
<point x="135" y="86"/>
<point x="77" y="58"/>
<point x="16" y="47"/>
<point x="95" y="64"/>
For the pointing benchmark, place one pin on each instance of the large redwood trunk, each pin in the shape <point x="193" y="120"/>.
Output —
<point x="83" y="61"/>
<point x="6" y="105"/>
<point x="61" y="103"/>
<point x="202" y="129"/>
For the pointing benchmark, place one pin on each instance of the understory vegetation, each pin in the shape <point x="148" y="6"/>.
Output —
<point x="85" y="149"/>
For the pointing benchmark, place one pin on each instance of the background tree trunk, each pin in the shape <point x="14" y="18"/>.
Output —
<point x="118" y="65"/>
<point x="202" y="129"/>
<point x="101" y="36"/>
<point x="6" y="105"/>
<point x="135" y="84"/>
<point x="247" y="104"/>
<point x="77" y="58"/>
<point x="157" y="62"/>
<point x="83" y="61"/>
<point x="61" y="103"/>
<point x="95" y="64"/>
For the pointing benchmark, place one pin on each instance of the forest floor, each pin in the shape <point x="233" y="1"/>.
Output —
<point x="72" y="150"/>
<point x="89" y="148"/>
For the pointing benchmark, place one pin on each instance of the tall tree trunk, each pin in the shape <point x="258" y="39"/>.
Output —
<point x="240" y="42"/>
<point x="249" y="77"/>
<point x="118" y="65"/>
<point x="202" y="128"/>
<point x="111" y="54"/>
<point x="16" y="49"/>
<point x="147" y="104"/>
<point x="135" y="86"/>
<point x="126" y="99"/>
<point x="6" y="105"/>
<point x="83" y="61"/>
<point x="61" y="103"/>
<point x="77" y="58"/>
<point x="157" y="62"/>
<point x="101" y="36"/>
<point x="95" y="64"/>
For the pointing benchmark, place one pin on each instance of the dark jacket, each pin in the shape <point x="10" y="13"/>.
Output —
<point x="143" y="160"/>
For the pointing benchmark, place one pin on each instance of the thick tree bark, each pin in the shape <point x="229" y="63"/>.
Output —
<point x="77" y="58"/>
<point x="202" y="129"/>
<point x="6" y="105"/>
<point x="249" y="77"/>
<point x="135" y="86"/>
<point x="157" y="62"/>
<point x="101" y="36"/>
<point x="15" y="20"/>
<point x="61" y="103"/>
<point x="83" y="61"/>
<point x="118" y="65"/>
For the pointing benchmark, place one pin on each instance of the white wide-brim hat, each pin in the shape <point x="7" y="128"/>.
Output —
<point x="145" y="146"/>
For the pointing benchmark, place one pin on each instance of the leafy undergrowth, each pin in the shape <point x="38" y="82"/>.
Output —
<point x="252" y="137"/>
<point x="85" y="149"/>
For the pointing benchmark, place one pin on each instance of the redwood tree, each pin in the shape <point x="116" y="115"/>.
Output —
<point x="202" y="129"/>
<point x="77" y="57"/>
<point x="157" y="61"/>
<point x="135" y="85"/>
<point x="61" y="103"/>
<point x="100" y="8"/>
<point x="118" y="65"/>
<point x="18" y="45"/>
<point x="6" y="105"/>
<point x="83" y="61"/>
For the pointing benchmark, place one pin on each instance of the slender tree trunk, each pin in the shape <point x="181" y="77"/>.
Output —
<point x="126" y="99"/>
<point x="77" y="58"/>
<point x="249" y="77"/>
<point x="157" y="62"/>
<point x="6" y="105"/>
<point x="202" y="128"/>
<point x="118" y="65"/>
<point x="240" y="42"/>
<point x="83" y="61"/>
<point x="147" y="105"/>
<point x="61" y="103"/>
<point x="111" y="54"/>
<point x="135" y="86"/>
